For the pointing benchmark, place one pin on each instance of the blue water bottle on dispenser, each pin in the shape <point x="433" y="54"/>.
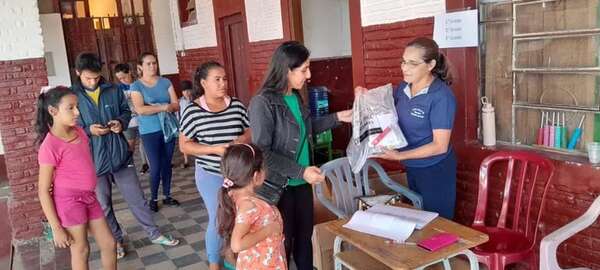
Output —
<point x="318" y="101"/>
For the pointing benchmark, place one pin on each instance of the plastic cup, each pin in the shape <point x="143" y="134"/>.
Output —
<point x="593" y="150"/>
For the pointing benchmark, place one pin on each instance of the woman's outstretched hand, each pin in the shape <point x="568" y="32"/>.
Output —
<point x="359" y="90"/>
<point x="345" y="116"/>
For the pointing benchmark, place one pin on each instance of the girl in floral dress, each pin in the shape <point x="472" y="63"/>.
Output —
<point x="256" y="232"/>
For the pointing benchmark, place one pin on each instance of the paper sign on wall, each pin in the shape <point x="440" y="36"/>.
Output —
<point x="457" y="29"/>
<point x="263" y="18"/>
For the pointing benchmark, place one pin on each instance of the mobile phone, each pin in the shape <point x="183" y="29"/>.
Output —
<point x="109" y="125"/>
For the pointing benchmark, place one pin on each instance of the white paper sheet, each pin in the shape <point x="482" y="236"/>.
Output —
<point x="456" y="29"/>
<point x="263" y="19"/>
<point x="419" y="217"/>
<point x="381" y="225"/>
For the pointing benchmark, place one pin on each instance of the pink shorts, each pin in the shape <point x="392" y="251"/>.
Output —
<point x="76" y="207"/>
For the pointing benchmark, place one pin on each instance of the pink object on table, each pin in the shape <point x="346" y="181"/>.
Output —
<point x="438" y="241"/>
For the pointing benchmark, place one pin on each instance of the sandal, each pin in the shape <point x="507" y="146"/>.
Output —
<point x="228" y="266"/>
<point x="165" y="240"/>
<point x="120" y="252"/>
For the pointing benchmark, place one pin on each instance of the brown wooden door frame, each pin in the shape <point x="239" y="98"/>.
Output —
<point x="296" y="27"/>
<point x="237" y="67"/>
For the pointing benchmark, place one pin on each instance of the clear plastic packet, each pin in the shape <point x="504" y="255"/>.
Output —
<point x="374" y="126"/>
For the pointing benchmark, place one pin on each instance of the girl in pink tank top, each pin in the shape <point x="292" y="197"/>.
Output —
<point x="251" y="227"/>
<point x="66" y="165"/>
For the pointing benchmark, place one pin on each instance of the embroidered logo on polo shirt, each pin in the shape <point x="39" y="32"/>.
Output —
<point x="416" y="112"/>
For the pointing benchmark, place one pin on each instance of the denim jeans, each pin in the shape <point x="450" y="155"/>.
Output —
<point x="160" y="155"/>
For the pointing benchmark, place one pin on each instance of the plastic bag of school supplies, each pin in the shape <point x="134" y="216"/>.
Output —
<point x="374" y="126"/>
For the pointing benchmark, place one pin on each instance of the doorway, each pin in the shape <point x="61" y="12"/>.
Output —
<point x="325" y="28"/>
<point x="118" y="31"/>
<point x="235" y="39"/>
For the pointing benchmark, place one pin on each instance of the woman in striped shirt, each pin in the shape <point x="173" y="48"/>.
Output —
<point x="208" y="125"/>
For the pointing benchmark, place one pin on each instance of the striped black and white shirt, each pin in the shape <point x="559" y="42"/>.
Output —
<point x="213" y="128"/>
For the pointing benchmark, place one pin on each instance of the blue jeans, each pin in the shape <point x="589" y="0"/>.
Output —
<point x="437" y="185"/>
<point x="159" y="155"/>
<point x="208" y="185"/>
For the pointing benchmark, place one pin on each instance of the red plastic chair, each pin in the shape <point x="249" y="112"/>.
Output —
<point x="513" y="241"/>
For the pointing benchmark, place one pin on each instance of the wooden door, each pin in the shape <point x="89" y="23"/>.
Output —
<point x="117" y="39"/>
<point x="235" y="38"/>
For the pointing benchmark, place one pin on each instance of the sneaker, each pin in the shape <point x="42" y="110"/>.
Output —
<point x="144" y="169"/>
<point x="170" y="201"/>
<point x="154" y="205"/>
<point x="120" y="252"/>
<point x="165" y="240"/>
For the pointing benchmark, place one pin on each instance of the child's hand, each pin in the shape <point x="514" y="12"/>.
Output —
<point x="62" y="239"/>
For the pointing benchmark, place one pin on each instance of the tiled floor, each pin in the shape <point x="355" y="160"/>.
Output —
<point x="186" y="223"/>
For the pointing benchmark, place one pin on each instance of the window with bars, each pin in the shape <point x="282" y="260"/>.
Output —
<point x="540" y="63"/>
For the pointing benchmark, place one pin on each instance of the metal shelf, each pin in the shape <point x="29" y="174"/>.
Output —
<point x="561" y="108"/>
<point x="582" y="70"/>
<point x="557" y="34"/>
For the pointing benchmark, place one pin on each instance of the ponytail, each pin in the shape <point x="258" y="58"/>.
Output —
<point x="47" y="98"/>
<point x="441" y="69"/>
<point x="225" y="216"/>
<point x="43" y="120"/>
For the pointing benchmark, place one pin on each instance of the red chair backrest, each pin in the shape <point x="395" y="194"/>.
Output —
<point x="533" y="167"/>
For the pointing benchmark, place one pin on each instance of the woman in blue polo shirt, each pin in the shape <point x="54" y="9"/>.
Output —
<point x="426" y="106"/>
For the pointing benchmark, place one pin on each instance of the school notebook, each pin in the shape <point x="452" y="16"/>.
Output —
<point x="395" y="223"/>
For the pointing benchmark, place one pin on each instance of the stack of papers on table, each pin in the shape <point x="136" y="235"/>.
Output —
<point x="396" y="223"/>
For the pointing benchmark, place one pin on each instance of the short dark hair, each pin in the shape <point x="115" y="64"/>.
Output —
<point x="88" y="61"/>
<point x="122" y="67"/>
<point x="186" y="85"/>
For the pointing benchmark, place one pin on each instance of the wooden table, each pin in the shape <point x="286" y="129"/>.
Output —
<point x="384" y="254"/>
